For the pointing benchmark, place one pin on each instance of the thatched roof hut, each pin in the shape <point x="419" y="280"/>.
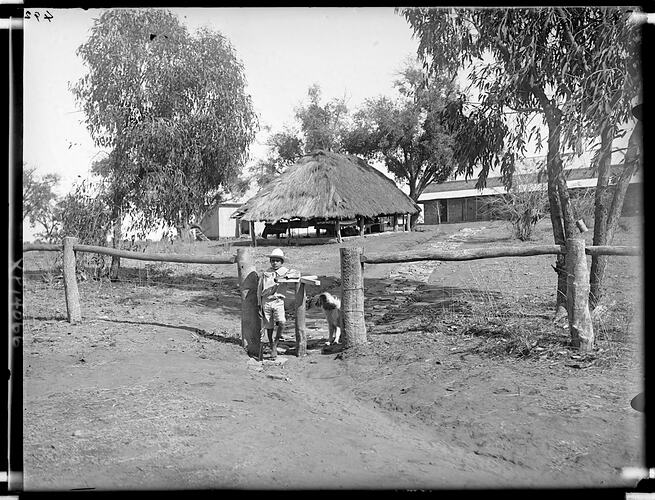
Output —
<point x="326" y="185"/>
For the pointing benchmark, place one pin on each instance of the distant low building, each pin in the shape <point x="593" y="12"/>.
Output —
<point x="460" y="201"/>
<point x="217" y="224"/>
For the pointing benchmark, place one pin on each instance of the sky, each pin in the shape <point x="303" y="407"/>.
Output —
<point x="351" y="52"/>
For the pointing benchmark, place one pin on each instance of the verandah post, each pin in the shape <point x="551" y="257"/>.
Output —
<point x="252" y="233"/>
<point x="70" y="281"/>
<point x="250" y="320"/>
<point x="301" y="337"/>
<point x="577" y="295"/>
<point x="352" y="296"/>
<point x="337" y="230"/>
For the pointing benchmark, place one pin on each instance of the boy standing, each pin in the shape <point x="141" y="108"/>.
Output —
<point x="270" y="298"/>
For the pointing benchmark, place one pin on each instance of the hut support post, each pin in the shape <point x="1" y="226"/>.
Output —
<point x="407" y="222"/>
<point x="250" y="320"/>
<point x="360" y="221"/>
<point x="252" y="233"/>
<point x="395" y="222"/>
<point x="352" y="296"/>
<point x="577" y="295"/>
<point x="301" y="337"/>
<point x="70" y="282"/>
<point x="337" y="230"/>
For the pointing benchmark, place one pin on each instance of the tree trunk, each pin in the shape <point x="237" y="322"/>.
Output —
<point x="414" y="194"/>
<point x="561" y="214"/>
<point x="183" y="231"/>
<point x="632" y="161"/>
<point x="116" y="241"/>
<point x="601" y="209"/>
<point x="554" y="163"/>
<point x="183" y="227"/>
<point x="616" y="207"/>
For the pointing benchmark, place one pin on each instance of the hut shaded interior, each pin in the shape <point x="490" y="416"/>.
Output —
<point x="324" y="185"/>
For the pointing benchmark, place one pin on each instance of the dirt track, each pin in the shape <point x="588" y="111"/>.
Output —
<point x="153" y="390"/>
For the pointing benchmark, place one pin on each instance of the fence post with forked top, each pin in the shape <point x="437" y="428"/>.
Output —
<point x="577" y="295"/>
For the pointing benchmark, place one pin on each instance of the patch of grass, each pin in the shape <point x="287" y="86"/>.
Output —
<point x="519" y="338"/>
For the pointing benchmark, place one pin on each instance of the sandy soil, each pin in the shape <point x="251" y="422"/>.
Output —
<point x="153" y="390"/>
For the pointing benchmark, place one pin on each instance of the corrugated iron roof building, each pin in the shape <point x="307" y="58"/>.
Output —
<point x="460" y="201"/>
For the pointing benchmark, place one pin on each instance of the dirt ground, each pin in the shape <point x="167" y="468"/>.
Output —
<point x="466" y="382"/>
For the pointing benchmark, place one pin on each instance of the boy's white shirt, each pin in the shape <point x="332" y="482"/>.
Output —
<point x="268" y="288"/>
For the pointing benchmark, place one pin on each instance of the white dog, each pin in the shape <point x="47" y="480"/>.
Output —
<point x="331" y="306"/>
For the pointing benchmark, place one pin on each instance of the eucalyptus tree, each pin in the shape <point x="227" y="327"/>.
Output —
<point x="318" y="124"/>
<point x="411" y="134"/>
<point x="562" y="65"/>
<point x="39" y="200"/>
<point x="171" y="109"/>
<point x="284" y="148"/>
<point x="322" y="125"/>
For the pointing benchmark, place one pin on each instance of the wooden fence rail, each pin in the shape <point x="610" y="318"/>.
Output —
<point x="575" y="250"/>
<point x="490" y="253"/>
<point x="609" y="250"/>
<point x="247" y="275"/>
<point x="126" y="254"/>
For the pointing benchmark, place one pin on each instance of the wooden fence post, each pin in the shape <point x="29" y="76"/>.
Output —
<point x="577" y="295"/>
<point x="352" y="296"/>
<point x="250" y="319"/>
<point x="301" y="337"/>
<point x="70" y="282"/>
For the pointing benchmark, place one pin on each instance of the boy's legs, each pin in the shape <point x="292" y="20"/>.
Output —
<point x="276" y="339"/>
<point x="274" y="319"/>
<point x="269" y="332"/>
<point x="280" y="320"/>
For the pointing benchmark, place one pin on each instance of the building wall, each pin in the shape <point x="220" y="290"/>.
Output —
<point x="217" y="224"/>
<point x="470" y="209"/>
<point x="431" y="214"/>
<point x="227" y="227"/>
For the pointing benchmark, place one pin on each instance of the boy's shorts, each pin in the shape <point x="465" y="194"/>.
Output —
<point x="272" y="312"/>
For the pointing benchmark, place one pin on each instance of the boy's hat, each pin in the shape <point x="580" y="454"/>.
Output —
<point x="277" y="254"/>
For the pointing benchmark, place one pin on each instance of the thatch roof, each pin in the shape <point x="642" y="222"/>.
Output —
<point x="327" y="185"/>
